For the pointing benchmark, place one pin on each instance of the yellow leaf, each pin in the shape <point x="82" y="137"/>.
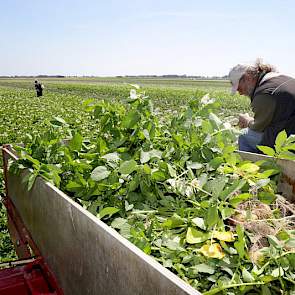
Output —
<point x="249" y="168"/>
<point x="194" y="236"/>
<point x="212" y="251"/>
<point x="226" y="236"/>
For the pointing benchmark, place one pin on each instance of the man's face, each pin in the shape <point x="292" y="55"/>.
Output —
<point x="246" y="85"/>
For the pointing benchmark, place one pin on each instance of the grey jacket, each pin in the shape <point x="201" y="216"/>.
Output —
<point x="273" y="104"/>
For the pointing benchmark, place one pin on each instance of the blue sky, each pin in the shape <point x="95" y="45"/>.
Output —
<point x="112" y="37"/>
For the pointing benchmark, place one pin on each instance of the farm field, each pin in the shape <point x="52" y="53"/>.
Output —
<point x="164" y="92"/>
<point x="18" y="101"/>
<point x="156" y="164"/>
<point x="220" y="85"/>
<point x="21" y="113"/>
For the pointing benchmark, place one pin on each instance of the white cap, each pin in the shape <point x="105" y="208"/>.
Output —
<point x="235" y="74"/>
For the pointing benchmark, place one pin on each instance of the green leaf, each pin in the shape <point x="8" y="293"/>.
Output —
<point x="215" y="120"/>
<point x="212" y="216"/>
<point x="93" y="207"/>
<point x="128" y="167"/>
<point x="172" y="244"/>
<point x="199" y="222"/>
<point x="171" y="171"/>
<point x="274" y="242"/>
<point x="168" y="263"/>
<point x="266" y="197"/>
<point x="173" y="222"/>
<point x="99" y="173"/>
<point x="102" y="146"/>
<point x="179" y="139"/>
<point x="88" y="102"/>
<point x="286" y="155"/>
<point x="262" y="182"/>
<point x="107" y="211"/>
<point x="58" y="121"/>
<point x="144" y="157"/>
<point x="204" y="268"/>
<point x="266" y="150"/>
<point x="270" y="172"/>
<point x="125" y="230"/>
<point x="32" y="160"/>
<point x="111" y="157"/>
<point x="73" y="186"/>
<point x="281" y="138"/>
<point x="277" y="272"/>
<point x="159" y="176"/>
<point x="147" y="169"/>
<point x="236" y="185"/>
<point x="133" y="184"/>
<point x="267" y="279"/>
<point x="193" y="165"/>
<point x="207" y="127"/>
<point x="229" y="149"/>
<point x="227" y="212"/>
<point x="146" y="134"/>
<point x="75" y="143"/>
<point x="135" y="86"/>
<point x="202" y="179"/>
<point x="118" y="223"/>
<point x="155" y="154"/>
<point x="265" y="290"/>
<point x="194" y="236"/>
<point x="247" y="277"/>
<point x="31" y="180"/>
<point x="216" y="162"/>
<point x="249" y="168"/>
<point x="240" y="244"/>
<point x="131" y="119"/>
<point x="289" y="147"/>
<point x="284" y="235"/>
<point x="290" y="139"/>
<point x="128" y="206"/>
<point x="216" y="185"/>
<point x="231" y="159"/>
<point x="239" y="198"/>
<point x="291" y="243"/>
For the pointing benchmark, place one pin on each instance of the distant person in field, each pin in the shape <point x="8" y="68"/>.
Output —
<point x="272" y="96"/>
<point x="39" y="88"/>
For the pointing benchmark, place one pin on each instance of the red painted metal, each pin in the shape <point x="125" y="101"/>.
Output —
<point x="32" y="277"/>
<point x="21" y="238"/>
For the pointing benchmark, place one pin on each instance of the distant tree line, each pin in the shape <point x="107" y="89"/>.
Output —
<point x="128" y="76"/>
<point x="38" y="76"/>
<point x="176" y="77"/>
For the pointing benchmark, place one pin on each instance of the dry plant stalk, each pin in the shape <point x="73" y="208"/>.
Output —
<point x="261" y="220"/>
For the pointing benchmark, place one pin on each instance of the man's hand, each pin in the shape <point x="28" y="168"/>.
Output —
<point x="244" y="120"/>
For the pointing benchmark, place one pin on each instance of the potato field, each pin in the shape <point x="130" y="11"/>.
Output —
<point x="155" y="159"/>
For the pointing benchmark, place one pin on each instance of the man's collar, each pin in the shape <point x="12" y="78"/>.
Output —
<point x="269" y="76"/>
<point x="258" y="82"/>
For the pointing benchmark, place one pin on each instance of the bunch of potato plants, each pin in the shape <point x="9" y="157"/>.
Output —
<point x="172" y="184"/>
